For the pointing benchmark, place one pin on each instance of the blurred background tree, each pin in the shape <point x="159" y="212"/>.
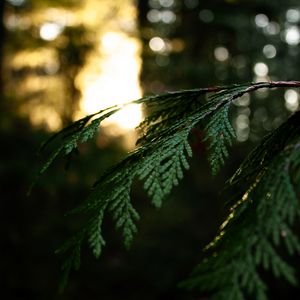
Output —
<point x="63" y="59"/>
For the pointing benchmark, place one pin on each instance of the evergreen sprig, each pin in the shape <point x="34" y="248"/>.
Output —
<point x="259" y="222"/>
<point x="262" y="214"/>
<point x="221" y="133"/>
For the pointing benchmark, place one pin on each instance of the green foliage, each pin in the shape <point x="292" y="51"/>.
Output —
<point x="263" y="210"/>
<point x="220" y="131"/>
<point x="260" y="221"/>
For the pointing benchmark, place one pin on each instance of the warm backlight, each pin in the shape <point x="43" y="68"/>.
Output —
<point x="114" y="79"/>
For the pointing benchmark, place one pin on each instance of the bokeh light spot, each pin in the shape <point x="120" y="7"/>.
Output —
<point x="272" y="28"/>
<point x="291" y="100"/>
<point x="242" y="127"/>
<point x="269" y="51"/>
<point x="16" y="2"/>
<point x="168" y="17"/>
<point x="157" y="44"/>
<point x="221" y="54"/>
<point x="166" y="3"/>
<point x="292" y="35"/>
<point x="242" y="101"/>
<point x="154" y="16"/>
<point x="50" y="31"/>
<point x="261" y="69"/>
<point x="292" y="15"/>
<point x="261" y="20"/>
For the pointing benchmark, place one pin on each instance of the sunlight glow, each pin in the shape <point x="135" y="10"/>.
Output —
<point x="50" y="31"/>
<point x="37" y="117"/>
<point x="107" y="76"/>
<point x="117" y="79"/>
<point x="33" y="58"/>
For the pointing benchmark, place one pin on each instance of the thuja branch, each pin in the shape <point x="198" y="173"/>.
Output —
<point x="161" y="157"/>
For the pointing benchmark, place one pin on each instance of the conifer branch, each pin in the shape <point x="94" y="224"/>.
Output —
<point x="268" y="181"/>
<point x="259" y="221"/>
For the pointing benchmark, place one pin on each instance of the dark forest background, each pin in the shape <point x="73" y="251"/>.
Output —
<point x="185" y="44"/>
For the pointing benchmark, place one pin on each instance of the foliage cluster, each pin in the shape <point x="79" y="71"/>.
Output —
<point x="263" y="210"/>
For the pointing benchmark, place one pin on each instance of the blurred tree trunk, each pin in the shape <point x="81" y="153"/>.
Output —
<point x="2" y="32"/>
